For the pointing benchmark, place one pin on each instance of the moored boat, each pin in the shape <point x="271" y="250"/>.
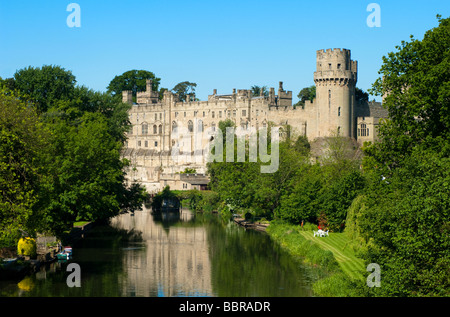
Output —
<point x="65" y="254"/>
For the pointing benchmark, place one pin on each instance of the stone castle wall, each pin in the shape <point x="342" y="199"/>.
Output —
<point x="157" y="125"/>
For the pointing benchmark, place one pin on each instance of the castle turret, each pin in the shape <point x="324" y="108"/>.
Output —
<point x="335" y="80"/>
<point x="127" y="97"/>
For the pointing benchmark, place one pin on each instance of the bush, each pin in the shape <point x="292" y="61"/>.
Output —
<point x="27" y="247"/>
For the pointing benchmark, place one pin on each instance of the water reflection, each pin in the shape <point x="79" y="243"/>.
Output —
<point x="171" y="255"/>
<point x="175" y="261"/>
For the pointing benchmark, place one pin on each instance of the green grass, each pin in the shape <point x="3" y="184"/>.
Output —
<point x="338" y="244"/>
<point x="80" y="223"/>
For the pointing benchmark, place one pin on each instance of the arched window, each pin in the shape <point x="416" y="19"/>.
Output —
<point x="144" y="128"/>
<point x="363" y="130"/>
<point x="160" y="129"/>
<point x="190" y="126"/>
<point x="174" y="126"/>
<point x="339" y="111"/>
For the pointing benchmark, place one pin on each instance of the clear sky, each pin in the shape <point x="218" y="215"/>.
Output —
<point x="217" y="44"/>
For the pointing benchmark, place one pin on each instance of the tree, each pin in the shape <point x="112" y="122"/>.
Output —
<point x="78" y="172"/>
<point x="406" y="205"/>
<point x="416" y="86"/>
<point x="405" y="221"/>
<point x="134" y="80"/>
<point x="44" y="86"/>
<point x="361" y="96"/>
<point x="258" y="90"/>
<point x="23" y="139"/>
<point x="307" y="93"/>
<point x="183" y="89"/>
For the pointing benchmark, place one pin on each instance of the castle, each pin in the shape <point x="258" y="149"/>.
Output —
<point x="154" y="121"/>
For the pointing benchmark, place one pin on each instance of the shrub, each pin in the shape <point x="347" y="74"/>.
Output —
<point x="27" y="247"/>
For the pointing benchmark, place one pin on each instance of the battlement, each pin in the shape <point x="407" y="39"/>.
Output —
<point x="335" y="64"/>
<point x="333" y="52"/>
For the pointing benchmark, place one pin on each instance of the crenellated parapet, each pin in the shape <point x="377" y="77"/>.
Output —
<point x="335" y="67"/>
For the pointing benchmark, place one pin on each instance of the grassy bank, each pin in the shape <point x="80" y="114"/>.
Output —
<point x="339" y="272"/>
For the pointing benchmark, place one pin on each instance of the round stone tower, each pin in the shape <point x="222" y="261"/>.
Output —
<point x="335" y="80"/>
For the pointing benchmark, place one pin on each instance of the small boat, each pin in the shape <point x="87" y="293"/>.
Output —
<point x="65" y="254"/>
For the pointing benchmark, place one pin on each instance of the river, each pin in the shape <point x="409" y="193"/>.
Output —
<point x="143" y="255"/>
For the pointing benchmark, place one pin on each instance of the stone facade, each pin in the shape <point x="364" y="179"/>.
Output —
<point x="158" y="124"/>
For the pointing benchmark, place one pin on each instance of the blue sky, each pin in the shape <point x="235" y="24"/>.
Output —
<point x="217" y="44"/>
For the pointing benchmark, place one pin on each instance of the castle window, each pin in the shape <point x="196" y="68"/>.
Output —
<point x="160" y="116"/>
<point x="213" y="126"/>
<point x="160" y="129"/>
<point x="190" y="126"/>
<point x="329" y="66"/>
<point x="234" y="113"/>
<point x="363" y="130"/>
<point x="174" y="126"/>
<point x="338" y="66"/>
<point x="203" y="114"/>
<point x="339" y="131"/>
<point x="220" y="114"/>
<point x="176" y="114"/>
<point x="156" y="143"/>
<point x="144" y="128"/>
<point x="185" y="114"/>
<point x="200" y="126"/>
<point x="339" y="111"/>
<point x="244" y="112"/>
<point x="155" y="128"/>
<point x="139" y="143"/>
<point x="146" y="143"/>
<point x="156" y="116"/>
<point x="212" y="114"/>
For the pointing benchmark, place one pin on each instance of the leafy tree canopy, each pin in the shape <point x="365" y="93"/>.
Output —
<point x="258" y="90"/>
<point x="183" y="89"/>
<point x="134" y="80"/>
<point x="44" y="86"/>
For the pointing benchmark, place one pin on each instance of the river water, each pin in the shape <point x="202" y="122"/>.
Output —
<point x="144" y="255"/>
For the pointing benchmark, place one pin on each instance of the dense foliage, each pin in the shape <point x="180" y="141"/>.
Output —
<point x="404" y="216"/>
<point x="60" y="154"/>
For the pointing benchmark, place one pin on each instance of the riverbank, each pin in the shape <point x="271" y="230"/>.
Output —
<point x="338" y="274"/>
<point x="250" y="224"/>
<point x="13" y="266"/>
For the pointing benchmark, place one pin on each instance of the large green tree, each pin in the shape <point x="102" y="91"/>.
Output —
<point x="183" y="89"/>
<point x="134" y="80"/>
<point x="415" y="83"/>
<point x="44" y="85"/>
<point x="405" y="213"/>
<point x="23" y="141"/>
<point x="78" y="172"/>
